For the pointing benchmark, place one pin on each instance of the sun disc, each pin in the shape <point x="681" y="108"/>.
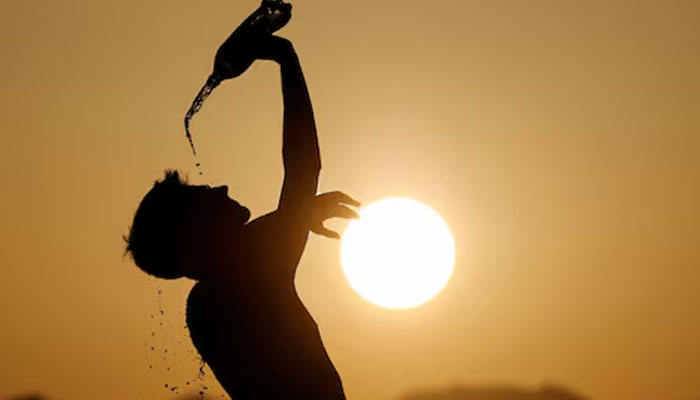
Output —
<point x="399" y="254"/>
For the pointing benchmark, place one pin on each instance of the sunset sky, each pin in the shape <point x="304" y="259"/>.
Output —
<point x="559" y="140"/>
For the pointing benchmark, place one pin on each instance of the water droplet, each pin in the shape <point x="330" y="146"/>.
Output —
<point x="200" y="374"/>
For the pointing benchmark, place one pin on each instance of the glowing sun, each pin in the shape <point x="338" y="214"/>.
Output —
<point x="399" y="254"/>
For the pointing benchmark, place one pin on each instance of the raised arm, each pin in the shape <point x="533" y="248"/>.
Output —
<point x="299" y="209"/>
<point x="302" y="161"/>
<point x="281" y="235"/>
<point x="300" y="152"/>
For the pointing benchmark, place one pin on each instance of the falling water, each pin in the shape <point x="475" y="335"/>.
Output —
<point x="232" y="58"/>
<point x="204" y="92"/>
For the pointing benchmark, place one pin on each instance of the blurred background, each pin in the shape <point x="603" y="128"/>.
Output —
<point x="560" y="140"/>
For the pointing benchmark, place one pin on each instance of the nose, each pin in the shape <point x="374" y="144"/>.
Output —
<point x="221" y="189"/>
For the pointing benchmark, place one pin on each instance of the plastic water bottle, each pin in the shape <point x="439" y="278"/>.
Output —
<point x="235" y="55"/>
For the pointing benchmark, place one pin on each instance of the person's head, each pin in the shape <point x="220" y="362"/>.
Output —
<point x="182" y="230"/>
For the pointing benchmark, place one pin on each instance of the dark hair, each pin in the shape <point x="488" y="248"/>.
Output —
<point x="154" y="236"/>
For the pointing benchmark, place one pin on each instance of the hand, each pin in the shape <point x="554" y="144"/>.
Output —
<point x="236" y="56"/>
<point x="331" y="205"/>
<point x="273" y="48"/>
<point x="252" y="40"/>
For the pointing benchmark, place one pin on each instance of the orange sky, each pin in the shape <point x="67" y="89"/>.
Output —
<point x="560" y="140"/>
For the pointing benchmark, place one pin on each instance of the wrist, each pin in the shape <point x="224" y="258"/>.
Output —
<point x="284" y="52"/>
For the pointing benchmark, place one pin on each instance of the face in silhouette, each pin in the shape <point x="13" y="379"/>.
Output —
<point x="211" y="230"/>
<point x="212" y="208"/>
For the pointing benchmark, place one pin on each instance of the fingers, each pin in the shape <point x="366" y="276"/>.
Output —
<point x="323" y="231"/>
<point x="343" y="212"/>
<point x="279" y="44"/>
<point x="339" y="197"/>
<point x="332" y="205"/>
<point x="267" y="47"/>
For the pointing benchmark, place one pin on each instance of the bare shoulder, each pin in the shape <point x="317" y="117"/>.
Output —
<point x="260" y="236"/>
<point x="263" y="225"/>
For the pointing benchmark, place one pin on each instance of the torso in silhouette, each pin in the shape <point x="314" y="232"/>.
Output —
<point x="259" y="339"/>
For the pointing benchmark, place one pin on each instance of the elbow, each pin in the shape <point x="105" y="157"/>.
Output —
<point x="313" y="163"/>
<point x="316" y="161"/>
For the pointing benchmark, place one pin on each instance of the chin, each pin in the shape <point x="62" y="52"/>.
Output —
<point x="241" y="215"/>
<point x="246" y="215"/>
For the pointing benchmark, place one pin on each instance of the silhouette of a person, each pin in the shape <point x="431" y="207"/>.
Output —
<point x="244" y="315"/>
